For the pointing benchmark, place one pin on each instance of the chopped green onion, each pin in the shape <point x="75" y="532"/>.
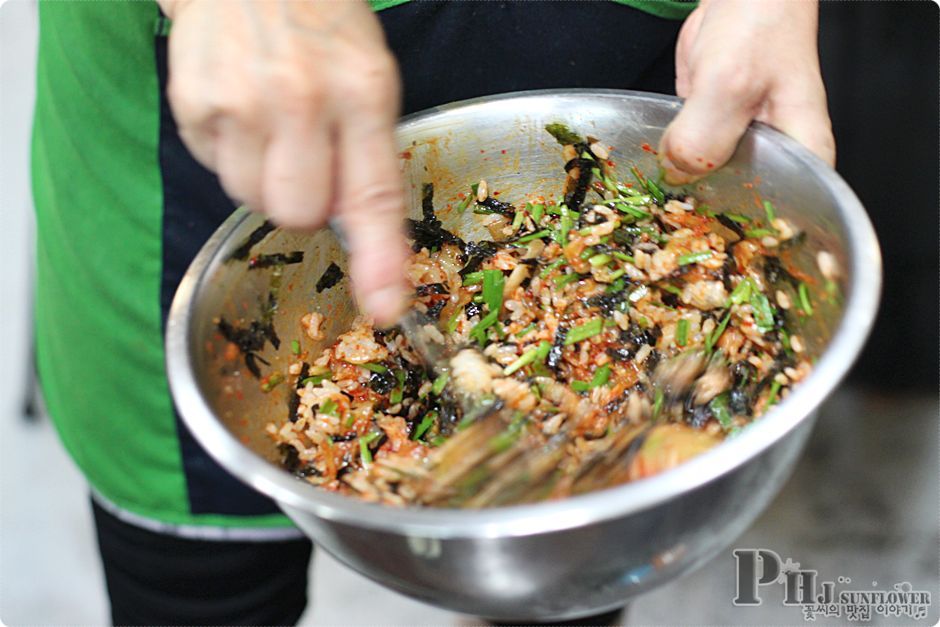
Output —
<point x="372" y="367"/>
<point x="438" y="386"/>
<point x="396" y="396"/>
<point x="623" y="256"/>
<point x="537" y="211"/>
<point x="317" y="378"/>
<point x="564" y="226"/>
<point x="658" y="399"/>
<point x="584" y="331"/>
<point x="616" y="286"/>
<point x="473" y="190"/>
<point x="586" y="254"/>
<point x="473" y="278"/>
<point x="688" y="258"/>
<point x="452" y="322"/>
<point x="502" y="441"/>
<point x="565" y="279"/>
<point x="672" y="289"/>
<point x="737" y="217"/>
<point x="548" y="269"/>
<point x="682" y="332"/>
<point x="719" y="409"/>
<point x="580" y="386"/>
<point x="364" y="443"/>
<point x="536" y="353"/>
<point x="493" y="282"/>
<point x="272" y="382"/>
<point x="517" y="220"/>
<point x="424" y="425"/>
<point x="465" y="203"/>
<point x="704" y="210"/>
<point x="600" y="260"/>
<point x="616" y="274"/>
<point x="601" y="376"/>
<point x="772" y="396"/>
<point x="785" y="339"/>
<point x="805" y="303"/>
<point x="770" y="211"/>
<point x="655" y="191"/>
<point x="295" y="347"/>
<point x="526" y="330"/>
<point x="328" y="407"/>
<point x="635" y="171"/>
<point x="712" y="339"/>
<point x="478" y="332"/>
<point x="532" y="236"/>
<point x="633" y="211"/>
<point x="763" y="311"/>
<point x="740" y="294"/>
<point x="755" y="233"/>
<point x="642" y="199"/>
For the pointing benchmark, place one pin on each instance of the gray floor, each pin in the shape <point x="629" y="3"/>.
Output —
<point x="863" y="503"/>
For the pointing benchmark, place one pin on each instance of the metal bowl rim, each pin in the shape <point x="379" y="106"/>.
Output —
<point x="858" y="316"/>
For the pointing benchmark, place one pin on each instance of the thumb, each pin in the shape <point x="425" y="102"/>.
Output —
<point x="706" y="131"/>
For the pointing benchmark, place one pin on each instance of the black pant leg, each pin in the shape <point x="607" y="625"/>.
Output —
<point x="457" y="49"/>
<point x="158" y="579"/>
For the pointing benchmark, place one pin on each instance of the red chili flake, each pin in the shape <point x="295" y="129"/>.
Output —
<point x="646" y="147"/>
<point x="503" y="151"/>
<point x="405" y="155"/>
<point x="611" y="163"/>
<point x="461" y="195"/>
<point x="709" y="165"/>
<point x="496" y="193"/>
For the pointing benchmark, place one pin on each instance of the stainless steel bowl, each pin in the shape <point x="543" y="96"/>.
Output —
<point x="554" y="560"/>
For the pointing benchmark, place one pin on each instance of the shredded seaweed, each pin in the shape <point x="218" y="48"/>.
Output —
<point x="275" y="259"/>
<point x="575" y="197"/>
<point x="497" y="206"/>
<point x="476" y="253"/>
<point x="293" y="400"/>
<point x="249" y="341"/>
<point x="256" y="236"/>
<point x="429" y="232"/>
<point x="330" y="277"/>
<point x="558" y="345"/>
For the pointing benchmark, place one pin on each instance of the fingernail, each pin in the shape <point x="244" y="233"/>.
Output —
<point x="675" y="176"/>
<point x="386" y="305"/>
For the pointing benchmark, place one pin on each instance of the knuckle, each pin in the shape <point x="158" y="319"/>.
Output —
<point x="374" y="85"/>
<point x="378" y="200"/>
<point x="294" y="91"/>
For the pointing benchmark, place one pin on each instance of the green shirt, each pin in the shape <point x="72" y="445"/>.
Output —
<point x="101" y="199"/>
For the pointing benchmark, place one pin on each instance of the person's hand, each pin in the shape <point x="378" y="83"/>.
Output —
<point x="738" y="61"/>
<point x="293" y="104"/>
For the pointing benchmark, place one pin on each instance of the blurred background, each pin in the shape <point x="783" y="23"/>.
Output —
<point x="863" y="502"/>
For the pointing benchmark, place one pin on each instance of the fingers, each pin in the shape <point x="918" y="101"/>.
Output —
<point x="297" y="184"/>
<point x="703" y="136"/>
<point x="807" y="123"/>
<point x="239" y="160"/>
<point x="371" y="201"/>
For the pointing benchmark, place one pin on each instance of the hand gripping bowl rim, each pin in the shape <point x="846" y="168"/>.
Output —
<point x="857" y="319"/>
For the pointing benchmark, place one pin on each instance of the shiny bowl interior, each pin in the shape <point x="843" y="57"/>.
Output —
<point x="501" y="139"/>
